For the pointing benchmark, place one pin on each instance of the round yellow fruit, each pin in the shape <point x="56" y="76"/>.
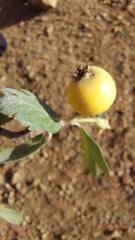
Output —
<point x="92" y="91"/>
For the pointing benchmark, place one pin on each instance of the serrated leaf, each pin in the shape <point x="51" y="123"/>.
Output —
<point x="92" y="155"/>
<point x="24" y="150"/>
<point x="29" y="110"/>
<point x="4" y="119"/>
<point x="10" y="215"/>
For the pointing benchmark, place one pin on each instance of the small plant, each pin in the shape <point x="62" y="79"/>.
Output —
<point x="91" y="92"/>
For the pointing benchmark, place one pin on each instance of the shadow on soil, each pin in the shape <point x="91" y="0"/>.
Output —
<point x="11" y="14"/>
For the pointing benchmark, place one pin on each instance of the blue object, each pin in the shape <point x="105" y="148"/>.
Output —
<point x="3" y="44"/>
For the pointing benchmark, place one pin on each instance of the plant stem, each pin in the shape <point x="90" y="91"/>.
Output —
<point x="82" y="120"/>
<point x="77" y="121"/>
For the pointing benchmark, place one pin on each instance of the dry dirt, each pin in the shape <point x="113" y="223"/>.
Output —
<point x="44" y="48"/>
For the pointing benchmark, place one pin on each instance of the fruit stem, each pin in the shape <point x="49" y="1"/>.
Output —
<point x="82" y="120"/>
<point x="101" y="123"/>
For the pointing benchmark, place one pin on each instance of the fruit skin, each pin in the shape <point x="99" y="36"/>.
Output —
<point x="92" y="91"/>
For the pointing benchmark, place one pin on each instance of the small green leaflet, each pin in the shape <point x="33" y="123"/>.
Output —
<point x="24" y="150"/>
<point x="92" y="155"/>
<point x="10" y="215"/>
<point x="29" y="110"/>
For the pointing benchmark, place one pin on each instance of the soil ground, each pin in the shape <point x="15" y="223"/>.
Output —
<point x="58" y="201"/>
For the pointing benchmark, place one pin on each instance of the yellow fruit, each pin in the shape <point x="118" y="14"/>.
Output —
<point x="92" y="91"/>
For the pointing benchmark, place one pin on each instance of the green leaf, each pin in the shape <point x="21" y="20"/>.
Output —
<point x="92" y="155"/>
<point x="24" y="150"/>
<point x="4" y="119"/>
<point x="30" y="111"/>
<point x="10" y="215"/>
